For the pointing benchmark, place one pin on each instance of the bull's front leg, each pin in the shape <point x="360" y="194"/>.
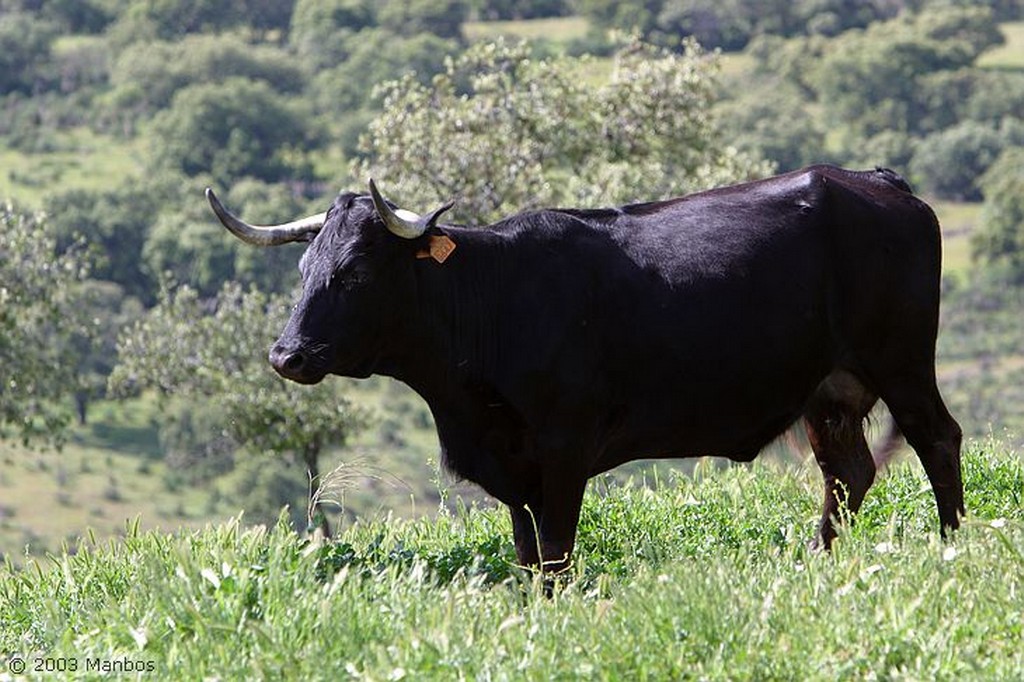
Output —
<point x="562" y="489"/>
<point x="524" y="533"/>
<point x="545" y="531"/>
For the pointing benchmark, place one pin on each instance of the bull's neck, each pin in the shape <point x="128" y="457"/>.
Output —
<point x="453" y="334"/>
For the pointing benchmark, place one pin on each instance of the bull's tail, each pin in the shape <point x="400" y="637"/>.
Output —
<point x="890" y="445"/>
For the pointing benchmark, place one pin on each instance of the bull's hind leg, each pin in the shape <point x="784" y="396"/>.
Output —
<point x="835" y="428"/>
<point x="921" y="414"/>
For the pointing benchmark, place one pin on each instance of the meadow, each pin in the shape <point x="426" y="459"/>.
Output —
<point x="705" y="577"/>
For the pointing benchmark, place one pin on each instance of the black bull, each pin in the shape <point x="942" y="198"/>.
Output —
<point x="557" y="344"/>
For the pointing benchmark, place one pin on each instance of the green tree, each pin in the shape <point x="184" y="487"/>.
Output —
<point x="715" y="23"/>
<point x="872" y="79"/>
<point x="1001" y="237"/>
<point x="494" y="10"/>
<point x="189" y="248"/>
<point x="768" y="117"/>
<point x="730" y="24"/>
<point x="268" y="15"/>
<point x="25" y="43"/>
<point x="146" y="75"/>
<point x="996" y="96"/>
<point x="443" y="18"/>
<point x="214" y="350"/>
<point x="341" y="93"/>
<point x="322" y="30"/>
<point x="167" y="19"/>
<point x="39" y="320"/>
<point x="115" y="224"/>
<point x="234" y="129"/>
<point x="94" y="347"/>
<point x="77" y="16"/>
<point x="378" y="55"/>
<point x="950" y="163"/>
<point x="502" y="131"/>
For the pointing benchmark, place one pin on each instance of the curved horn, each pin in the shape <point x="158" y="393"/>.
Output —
<point x="407" y="226"/>
<point x="269" y="235"/>
<point x="400" y="222"/>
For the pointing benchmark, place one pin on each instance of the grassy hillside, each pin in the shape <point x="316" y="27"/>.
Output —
<point x="78" y="158"/>
<point x="1010" y="55"/>
<point x="559" y="30"/>
<point x="702" y="578"/>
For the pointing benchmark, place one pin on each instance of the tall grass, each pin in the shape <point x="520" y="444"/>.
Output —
<point x="704" y="577"/>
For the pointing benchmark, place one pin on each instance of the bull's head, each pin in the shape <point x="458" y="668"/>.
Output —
<point x="351" y="274"/>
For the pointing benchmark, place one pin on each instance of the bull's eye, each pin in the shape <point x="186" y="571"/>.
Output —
<point x="351" y="277"/>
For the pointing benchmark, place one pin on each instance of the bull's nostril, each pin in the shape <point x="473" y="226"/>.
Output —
<point x="294" y="362"/>
<point x="287" y="363"/>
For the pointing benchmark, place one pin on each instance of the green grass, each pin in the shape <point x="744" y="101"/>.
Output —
<point x="112" y="469"/>
<point x="556" y="29"/>
<point x="704" y="578"/>
<point x="958" y="220"/>
<point x="47" y="498"/>
<point x="736" y="64"/>
<point x="1010" y="55"/>
<point x="78" y="158"/>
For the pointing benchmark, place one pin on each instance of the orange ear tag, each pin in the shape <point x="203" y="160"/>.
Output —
<point x="439" y="248"/>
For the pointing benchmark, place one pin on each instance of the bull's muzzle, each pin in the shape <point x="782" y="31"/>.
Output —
<point x="294" y="365"/>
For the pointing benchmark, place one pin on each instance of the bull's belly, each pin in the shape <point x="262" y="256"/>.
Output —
<point x="738" y="444"/>
<point x="734" y="419"/>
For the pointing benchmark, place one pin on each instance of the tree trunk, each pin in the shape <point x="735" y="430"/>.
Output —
<point x="81" y="406"/>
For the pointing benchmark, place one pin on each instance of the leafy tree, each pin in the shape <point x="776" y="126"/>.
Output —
<point x="1002" y="10"/>
<point x="890" y="148"/>
<point x="770" y="119"/>
<point x="996" y="96"/>
<point x="80" y="67"/>
<point x="730" y="24"/>
<point x="950" y="163"/>
<point x="114" y="224"/>
<point x="1001" y="237"/>
<point x="233" y="129"/>
<point x="188" y="248"/>
<point x="378" y="55"/>
<point x="215" y="350"/>
<point x="193" y="441"/>
<point x="147" y="75"/>
<point x="168" y="19"/>
<point x="268" y="15"/>
<point x="25" y="43"/>
<point x="721" y="23"/>
<point x="873" y="79"/>
<point x="322" y="30"/>
<point x="39" y="318"/>
<point x="443" y="18"/>
<point x="503" y="131"/>
<point x="77" y="16"/>
<point x="495" y="10"/>
<point x="261" y="487"/>
<point x="94" y="348"/>
<point x="342" y="93"/>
